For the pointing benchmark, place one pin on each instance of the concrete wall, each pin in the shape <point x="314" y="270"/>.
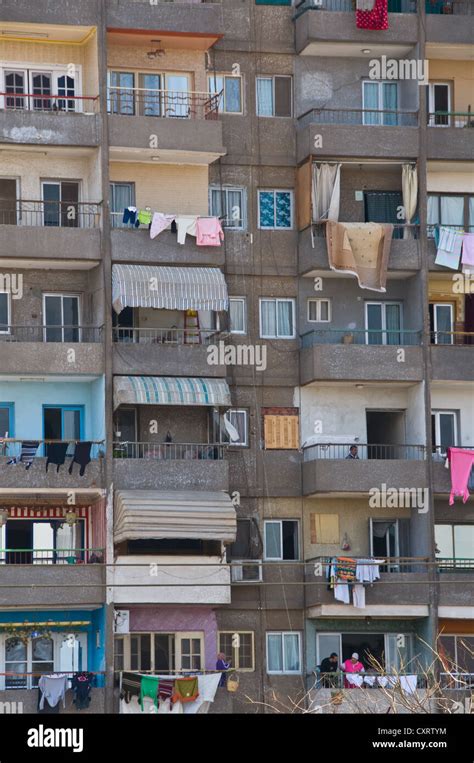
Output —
<point x="148" y="474"/>
<point x="163" y="360"/>
<point x="135" y="245"/>
<point x="457" y="398"/>
<point x="51" y="585"/>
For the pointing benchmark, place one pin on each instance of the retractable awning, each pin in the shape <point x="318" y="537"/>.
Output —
<point x="189" y="514"/>
<point x="170" y="390"/>
<point x="169" y="288"/>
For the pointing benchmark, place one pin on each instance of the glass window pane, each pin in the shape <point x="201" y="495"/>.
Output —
<point x="444" y="541"/>
<point x="266" y="209"/>
<point x="15" y="650"/>
<point x="71" y="319"/>
<point x="268" y="317"/>
<point x="324" y="310"/>
<point x="390" y="102"/>
<point x="275" y="652"/>
<point x="42" y="649"/>
<point x="327" y="644"/>
<point x="283" y="96"/>
<point x="237" y="315"/>
<point x="234" y="217"/>
<point x="446" y="430"/>
<point x="393" y="323"/>
<point x="444" y="324"/>
<point x="264" y="96"/>
<point x="285" y="318"/>
<point x="371" y="103"/>
<point x="145" y="649"/>
<point x="4" y="421"/>
<point x="233" y="94"/>
<point x="464" y="541"/>
<point x="291" y="652"/>
<point x="290" y="540"/>
<point x="471" y="214"/>
<point x="51" y="198"/>
<point x="273" y="540"/>
<point x="452" y="210"/>
<point x="283" y="209"/>
<point x="3" y="311"/>
<point x="374" y="324"/>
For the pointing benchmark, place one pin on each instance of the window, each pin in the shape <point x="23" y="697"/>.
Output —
<point x="324" y="528"/>
<point x="277" y="318"/>
<point x="6" y="419"/>
<point x="61" y="318"/>
<point x="235" y="427"/>
<point x="238" y="315"/>
<point x="274" y="96"/>
<point x="275" y="210"/>
<point x="379" y="103"/>
<point x="5" y="312"/>
<point x="51" y="89"/>
<point x="119" y="653"/>
<point x="441" y="322"/>
<point x="230" y="86"/>
<point x="281" y="432"/>
<point x="157" y="94"/>
<point x="283" y="652"/>
<point x="458" y="652"/>
<point x="443" y="431"/>
<point x="319" y="310"/>
<point x="63" y="422"/>
<point x="228" y="204"/>
<point x="439" y="104"/>
<point x="38" y="655"/>
<point x="383" y="323"/>
<point x="122" y="195"/>
<point x="281" y="539"/>
<point x="164" y="651"/>
<point x="60" y="203"/>
<point x="455" y="211"/>
<point x="455" y="542"/>
<point x="242" y="656"/>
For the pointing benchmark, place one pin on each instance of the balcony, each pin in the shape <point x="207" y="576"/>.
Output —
<point x="202" y="21"/>
<point x="164" y="466"/>
<point x="404" y="582"/>
<point x="70" y="12"/>
<point x="135" y="246"/>
<point x="43" y="577"/>
<point x="166" y="351"/>
<point x="326" y="468"/>
<point x="452" y="356"/>
<point x="50" y="120"/>
<point x="333" y="22"/>
<point x="358" y="132"/>
<point x="47" y="350"/>
<point x="456" y="580"/>
<point x="449" y="21"/>
<point x="23" y="465"/>
<point x="186" y="125"/>
<point x="50" y="229"/>
<point x="360" y="355"/>
<point x="171" y="580"/>
<point x="451" y="136"/>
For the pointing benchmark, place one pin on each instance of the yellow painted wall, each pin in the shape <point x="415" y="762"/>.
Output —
<point x="451" y="182"/>
<point x="461" y="74"/>
<point x="33" y="167"/>
<point x="168" y="188"/>
<point x="441" y="290"/>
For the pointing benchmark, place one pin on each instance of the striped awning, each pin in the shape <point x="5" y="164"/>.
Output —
<point x="169" y="288"/>
<point x="188" y="514"/>
<point x="170" y="390"/>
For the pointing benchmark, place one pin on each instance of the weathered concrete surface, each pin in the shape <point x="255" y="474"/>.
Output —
<point x="51" y="358"/>
<point x="154" y="474"/>
<point x="57" y="129"/>
<point x="43" y="585"/>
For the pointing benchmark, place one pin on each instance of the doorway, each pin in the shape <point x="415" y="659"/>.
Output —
<point x="8" y="197"/>
<point x="385" y="434"/>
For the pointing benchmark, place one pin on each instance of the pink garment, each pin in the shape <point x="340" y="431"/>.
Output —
<point x="468" y="249"/>
<point x="159" y="223"/>
<point x="350" y="667"/>
<point x="461" y="462"/>
<point x="209" y="231"/>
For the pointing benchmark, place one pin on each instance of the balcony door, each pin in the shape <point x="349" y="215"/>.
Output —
<point x="61" y="318"/>
<point x="60" y="203"/>
<point x="122" y="195"/>
<point x="8" y="201"/>
<point x="383" y="207"/>
<point x="121" y="90"/>
<point x="380" y="103"/>
<point x="389" y="538"/>
<point x="444" y="432"/>
<point x="63" y="423"/>
<point x="6" y="421"/>
<point x="15" y="89"/>
<point x="441" y="322"/>
<point x="383" y="323"/>
<point x="439" y="104"/>
<point x="177" y="99"/>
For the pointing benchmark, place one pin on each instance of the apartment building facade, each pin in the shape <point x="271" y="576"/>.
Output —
<point x="190" y="433"/>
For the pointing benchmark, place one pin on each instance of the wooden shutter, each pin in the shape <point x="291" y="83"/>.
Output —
<point x="324" y="528"/>
<point x="281" y="432"/>
<point x="303" y="194"/>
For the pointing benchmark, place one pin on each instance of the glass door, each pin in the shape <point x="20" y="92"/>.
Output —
<point x="384" y="542"/>
<point x="177" y="97"/>
<point x="443" y="431"/>
<point x="189" y="651"/>
<point x="41" y="87"/>
<point x="121" y="93"/>
<point x="380" y="103"/>
<point x="122" y="195"/>
<point x="60" y="204"/>
<point x="383" y="323"/>
<point x="61" y="318"/>
<point x="150" y="95"/>
<point x="66" y="87"/>
<point x="441" y="323"/>
<point x="15" y="89"/>
<point x="63" y="423"/>
<point x="439" y="104"/>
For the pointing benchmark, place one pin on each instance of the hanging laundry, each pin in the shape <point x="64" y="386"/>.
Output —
<point x="81" y="685"/>
<point x="345" y="568"/>
<point x="159" y="223"/>
<point x="207" y="691"/>
<point x="408" y="684"/>
<point x="27" y="453"/>
<point x="164" y="706"/>
<point x="165" y="689"/>
<point x="368" y="570"/>
<point x="57" y="454"/>
<point x="358" y="596"/>
<point x="185" y="224"/>
<point x="144" y="217"/>
<point x="149" y="688"/>
<point x="341" y="592"/>
<point x="461" y="462"/>
<point x="449" y="248"/>
<point x="370" y="680"/>
<point x="47" y="709"/>
<point x="209" y="231"/>
<point x="82" y="456"/>
<point x="361" y="249"/>
<point x="375" y="19"/>
<point x="468" y="249"/>
<point x="186" y="689"/>
<point x="53" y="689"/>
<point x="129" y="216"/>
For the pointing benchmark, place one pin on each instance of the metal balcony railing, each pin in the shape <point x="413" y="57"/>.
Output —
<point x="365" y="451"/>
<point x="174" y="104"/>
<point x="11" y="448"/>
<point x="394" y="6"/>
<point x="450" y="7"/>
<point x="366" y="117"/>
<point x="456" y="680"/>
<point x="450" y="119"/>
<point x="14" y="679"/>
<point x="370" y="679"/>
<point x="317" y="565"/>
<point x="190" y="337"/>
<point x="54" y="334"/>
<point x="455" y="564"/>
<point x="62" y="103"/>
<point x="401" y="231"/>
<point x="361" y="336"/>
<point x="51" y="214"/>
<point x="48" y="556"/>
<point x="170" y="451"/>
<point x="452" y="338"/>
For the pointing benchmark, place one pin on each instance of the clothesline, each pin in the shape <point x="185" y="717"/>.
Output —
<point x="206" y="229"/>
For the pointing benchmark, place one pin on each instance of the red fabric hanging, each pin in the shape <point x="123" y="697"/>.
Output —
<point x="375" y="19"/>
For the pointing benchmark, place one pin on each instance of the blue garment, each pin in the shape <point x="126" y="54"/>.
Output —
<point x="221" y="665"/>
<point x="129" y="216"/>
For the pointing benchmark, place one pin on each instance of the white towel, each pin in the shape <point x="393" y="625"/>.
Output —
<point x="358" y="596"/>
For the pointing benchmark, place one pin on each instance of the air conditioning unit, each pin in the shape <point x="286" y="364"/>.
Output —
<point x="246" y="571"/>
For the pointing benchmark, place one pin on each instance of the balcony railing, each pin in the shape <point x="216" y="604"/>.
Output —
<point x="48" y="556"/>
<point x="366" y="117"/>
<point x="190" y="337"/>
<point x="455" y="564"/>
<point x="174" y="104"/>
<point x="394" y="6"/>
<point x="54" y="334"/>
<point x="370" y="679"/>
<point x="51" y="214"/>
<point x="450" y="119"/>
<point x="11" y="447"/>
<point x="450" y="7"/>
<point x="452" y="338"/>
<point x="55" y="104"/>
<point x="361" y="336"/>
<point x="317" y="565"/>
<point x="364" y="451"/>
<point x="401" y="231"/>
<point x="13" y="679"/>
<point x="170" y="451"/>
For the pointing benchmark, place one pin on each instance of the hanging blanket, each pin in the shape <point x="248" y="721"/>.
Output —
<point x="376" y="19"/>
<point x="362" y="249"/>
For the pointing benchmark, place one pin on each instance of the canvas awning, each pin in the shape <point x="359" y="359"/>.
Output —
<point x="170" y="390"/>
<point x="189" y="514"/>
<point x="169" y="288"/>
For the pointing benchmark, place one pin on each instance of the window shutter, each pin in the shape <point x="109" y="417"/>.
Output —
<point x="324" y="528"/>
<point x="281" y="432"/>
<point x="283" y="96"/>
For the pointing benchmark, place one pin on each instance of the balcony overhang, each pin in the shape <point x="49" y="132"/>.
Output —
<point x="18" y="32"/>
<point x="172" y="39"/>
<point x="398" y="611"/>
<point x="171" y="155"/>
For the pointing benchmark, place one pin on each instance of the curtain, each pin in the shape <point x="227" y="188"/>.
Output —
<point x="232" y="94"/>
<point x="275" y="652"/>
<point x="326" y="192"/>
<point x="410" y="195"/>
<point x="268" y="312"/>
<point x="371" y="115"/>
<point x="452" y="210"/>
<point x="291" y="651"/>
<point x="392" y="320"/>
<point x="234" y="209"/>
<point x="380" y="529"/>
<point x="284" y="319"/>
<point x="390" y="102"/>
<point x="273" y="540"/>
<point x="443" y="324"/>
<point x="471" y="214"/>
<point x="264" y="97"/>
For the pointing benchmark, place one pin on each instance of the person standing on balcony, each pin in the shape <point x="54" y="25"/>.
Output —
<point x="329" y="665"/>
<point x="353" y="452"/>
<point x="352" y="665"/>
<point x="223" y="665"/>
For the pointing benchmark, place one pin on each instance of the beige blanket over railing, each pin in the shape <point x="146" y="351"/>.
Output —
<point x="361" y="249"/>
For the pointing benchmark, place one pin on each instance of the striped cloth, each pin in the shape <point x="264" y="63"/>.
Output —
<point x="170" y="390"/>
<point x="169" y="288"/>
<point x="345" y="568"/>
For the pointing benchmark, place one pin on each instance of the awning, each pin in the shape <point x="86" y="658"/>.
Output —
<point x="170" y="390"/>
<point x="169" y="288"/>
<point x="145" y="514"/>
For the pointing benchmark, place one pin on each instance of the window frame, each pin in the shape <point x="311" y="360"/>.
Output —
<point x="383" y="331"/>
<point x="10" y="407"/>
<point x="225" y="189"/>
<point x="62" y="295"/>
<point x="284" y="671"/>
<point x="280" y="558"/>
<point x="435" y="332"/>
<point x="27" y="69"/>
<point x="58" y="638"/>
<point x="431" y="102"/>
<point x="243" y="300"/>
<point x="380" y="107"/>
<point x="236" y="663"/>
<point x="318" y="301"/>
<point x="246" y="420"/>
<point x="435" y="414"/>
<point x="467" y="223"/>
<point x="226" y="75"/>
<point x="9" y="313"/>
<point x="276" y="300"/>
<point x="177" y="650"/>
<point x="275" y="227"/>
<point x="273" y="77"/>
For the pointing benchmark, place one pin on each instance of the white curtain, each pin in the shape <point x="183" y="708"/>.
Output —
<point x="264" y="97"/>
<point x="410" y="195"/>
<point x="275" y="652"/>
<point x="269" y="327"/>
<point x="292" y="653"/>
<point x="285" y="316"/>
<point x="326" y="192"/>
